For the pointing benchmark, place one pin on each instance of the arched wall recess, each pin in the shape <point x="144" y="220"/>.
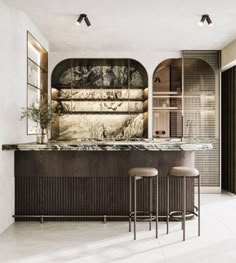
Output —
<point x="101" y="98"/>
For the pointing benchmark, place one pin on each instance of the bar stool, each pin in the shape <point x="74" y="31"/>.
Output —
<point x="136" y="174"/>
<point x="183" y="172"/>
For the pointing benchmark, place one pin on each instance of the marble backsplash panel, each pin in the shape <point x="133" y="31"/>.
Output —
<point x="116" y="126"/>
<point x="91" y="75"/>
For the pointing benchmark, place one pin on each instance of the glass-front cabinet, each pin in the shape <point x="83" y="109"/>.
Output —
<point x="168" y="99"/>
<point x="185" y="99"/>
<point x="186" y="106"/>
<point x="200" y="99"/>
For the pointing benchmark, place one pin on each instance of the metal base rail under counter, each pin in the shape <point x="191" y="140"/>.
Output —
<point x="67" y="217"/>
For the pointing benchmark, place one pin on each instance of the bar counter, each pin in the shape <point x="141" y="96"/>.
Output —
<point x="116" y="145"/>
<point x="89" y="179"/>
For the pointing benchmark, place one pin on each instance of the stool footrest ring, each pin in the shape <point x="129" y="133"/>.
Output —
<point x="178" y="215"/>
<point x="148" y="217"/>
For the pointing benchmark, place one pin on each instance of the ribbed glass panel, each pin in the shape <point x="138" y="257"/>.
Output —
<point x="201" y="110"/>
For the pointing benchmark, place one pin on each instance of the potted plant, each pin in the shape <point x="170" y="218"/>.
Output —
<point x="40" y="113"/>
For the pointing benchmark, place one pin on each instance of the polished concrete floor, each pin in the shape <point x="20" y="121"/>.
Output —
<point x="96" y="242"/>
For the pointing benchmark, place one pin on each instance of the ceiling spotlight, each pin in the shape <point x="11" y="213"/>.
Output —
<point x="87" y="21"/>
<point x="80" y="19"/>
<point x="209" y="21"/>
<point x="202" y="20"/>
<point x="205" y="18"/>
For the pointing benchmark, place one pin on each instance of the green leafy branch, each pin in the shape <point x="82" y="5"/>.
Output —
<point x="40" y="112"/>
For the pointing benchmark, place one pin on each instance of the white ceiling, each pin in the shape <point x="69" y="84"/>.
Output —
<point x="145" y="25"/>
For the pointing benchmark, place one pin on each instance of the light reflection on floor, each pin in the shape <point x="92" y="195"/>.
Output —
<point x="32" y="242"/>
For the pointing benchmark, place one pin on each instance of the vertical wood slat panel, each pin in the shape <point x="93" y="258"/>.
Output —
<point x="94" y="195"/>
<point x="91" y="183"/>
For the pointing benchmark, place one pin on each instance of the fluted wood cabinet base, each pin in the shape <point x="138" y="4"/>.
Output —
<point x="92" y="183"/>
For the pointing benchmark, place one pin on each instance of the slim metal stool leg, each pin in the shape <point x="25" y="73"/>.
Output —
<point x="184" y="206"/>
<point x="199" y="194"/>
<point x="168" y="204"/>
<point x="157" y="208"/>
<point x="130" y="201"/>
<point x="182" y="221"/>
<point x="134" y="207"/>
<point x="150" y="203"/>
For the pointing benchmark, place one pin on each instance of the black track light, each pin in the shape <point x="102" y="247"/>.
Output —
<point x="202" y="20"/>
<point x="80" y="19"/>
<point x="209" y="21"/>
<point x="205" y="18"/>
<point x="87" y="21"/>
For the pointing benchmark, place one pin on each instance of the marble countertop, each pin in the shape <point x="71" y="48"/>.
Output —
<point x="109" y="145"/>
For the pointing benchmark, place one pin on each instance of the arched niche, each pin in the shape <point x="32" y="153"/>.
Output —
<point x="102" y="98"/>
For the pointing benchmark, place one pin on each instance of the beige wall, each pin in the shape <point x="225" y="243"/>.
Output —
<point x="228" y="56"/>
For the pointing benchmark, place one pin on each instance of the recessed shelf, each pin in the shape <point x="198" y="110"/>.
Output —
<point x="199" y="93"/>
<point x="166" y="96"/>
<point x="166" y="109"/>
<point x="167" y="92"/>
<point x="45" y="71"/>
<point x="33" y="86"/>
<point x="101" y="100"/>
<point x="199" y="110"/>
<point x="103" y="112"/>
<point x="59" y="87"/>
